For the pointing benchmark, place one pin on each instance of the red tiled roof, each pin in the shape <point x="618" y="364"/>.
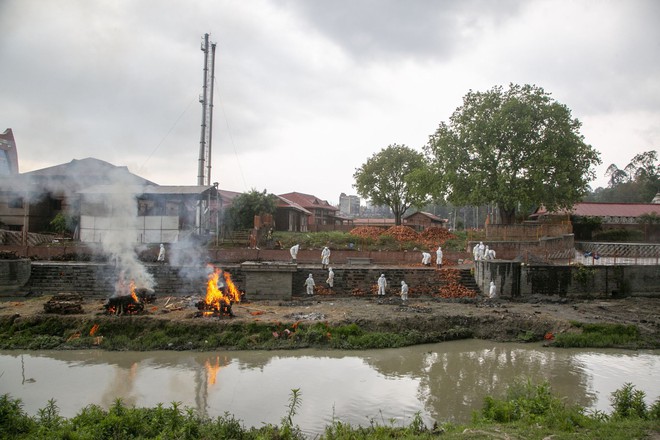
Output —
<point x="593" y="209"/>
<point x="283" y="202"/>
<point x="308" y="201"/>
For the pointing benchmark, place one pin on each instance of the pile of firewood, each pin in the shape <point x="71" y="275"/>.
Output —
<point x="320" y="290"/>
<point x="64" y="304"/>
<point x="434" y="236"/>
<point x="402" y="233"/>
<point x="372" y="232"/>
<point x="453" y="287"/>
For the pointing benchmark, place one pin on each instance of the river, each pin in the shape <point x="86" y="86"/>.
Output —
<point x="442" y="382"/>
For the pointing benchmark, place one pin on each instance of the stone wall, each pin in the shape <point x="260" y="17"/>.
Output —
<point x="516" y="280"/>
<point x="98" y="280"/>
<point x="14" y="274"/>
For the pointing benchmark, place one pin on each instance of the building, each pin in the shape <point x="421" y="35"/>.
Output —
<point x="421" y="220"/>
<point x="290" y="216"/>
<point x="8" y="154"/>
<point x="642" y="217"/>
<point x="349" y="205"/>
<point x="100" y="199"/>
<point x="323" y="216"/>
<point x="30" y="201"/>
<point x="145" y="213"/>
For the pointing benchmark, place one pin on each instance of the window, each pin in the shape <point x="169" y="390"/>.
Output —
<point x="16" y="202"/>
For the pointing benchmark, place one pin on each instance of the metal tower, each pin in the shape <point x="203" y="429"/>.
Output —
<point x="206" y="99"/>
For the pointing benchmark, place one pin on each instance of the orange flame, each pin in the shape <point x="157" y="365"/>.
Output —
<point x="233" y="292"/>
<point x="94" y="329"/>
<point x="215" y="295"/>
<point x="135" y="298"/>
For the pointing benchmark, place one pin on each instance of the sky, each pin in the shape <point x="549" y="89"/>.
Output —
<point x="307" y="91"/>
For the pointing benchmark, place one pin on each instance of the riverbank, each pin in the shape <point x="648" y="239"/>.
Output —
<point x="328" y="321"/>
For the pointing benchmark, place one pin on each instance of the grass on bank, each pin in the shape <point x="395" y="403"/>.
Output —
<point x="141" y="334"/>
<point x="527" y="411"/>
<point x="601" y="336"/>
<point x="345" y="240"/>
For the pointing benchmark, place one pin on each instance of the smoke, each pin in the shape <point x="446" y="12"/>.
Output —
<point x="120" y="241"/>
<point x="110" y="196"/>
<point x="190" y="257"/>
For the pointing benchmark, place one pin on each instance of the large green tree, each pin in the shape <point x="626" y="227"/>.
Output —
<point x="245" y="206"/>
<point x="392" y="177"/>
<point x="516" y="148"/>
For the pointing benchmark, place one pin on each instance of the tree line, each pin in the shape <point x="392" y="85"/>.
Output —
<point x="515" y="149"/>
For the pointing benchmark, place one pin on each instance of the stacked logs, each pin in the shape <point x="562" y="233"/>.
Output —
<point x="372" y="232"/>
<point x="453" y="287"/>
<point x="402" y="233"/>
<point x="64" y="304"/>
<point x="435" y="236"/>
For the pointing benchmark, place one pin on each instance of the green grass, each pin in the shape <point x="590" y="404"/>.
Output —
<point x="601" y="336"/>
<point x="527" y="411"/>
<point x="144" y="333"/>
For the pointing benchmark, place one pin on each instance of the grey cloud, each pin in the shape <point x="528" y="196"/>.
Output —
<point x="378" y="29"/>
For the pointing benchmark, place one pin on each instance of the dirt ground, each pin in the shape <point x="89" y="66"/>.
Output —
<point x="500" y="319"/>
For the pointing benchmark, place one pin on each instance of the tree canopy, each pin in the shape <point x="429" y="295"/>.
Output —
<point x="639" y="181"/>
<point x="515" y="148"/>
<point x="392" y="177"/>
<point x="245" y="206"/>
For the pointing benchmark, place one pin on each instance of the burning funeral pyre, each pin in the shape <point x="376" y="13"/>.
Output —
<point x="220" y="295"/>
<point x="128" y="300"/>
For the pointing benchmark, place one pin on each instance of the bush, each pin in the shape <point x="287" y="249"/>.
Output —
<point x="619" y="235"/>
<point x="629" y="403"/>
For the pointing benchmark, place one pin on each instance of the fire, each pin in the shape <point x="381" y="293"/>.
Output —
<point x="215" y="294"/>
<point x="233" y="292"/>
<point x="219" y="295"/>
<point x="94" y="329"/>
<point x="132" y="286"/>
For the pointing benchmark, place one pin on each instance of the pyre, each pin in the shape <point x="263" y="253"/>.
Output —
<point x="219" y="295"/>
<point x="124" y="302"/>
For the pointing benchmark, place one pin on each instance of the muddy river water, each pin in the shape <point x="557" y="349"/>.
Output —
<point x="442" y="382"/>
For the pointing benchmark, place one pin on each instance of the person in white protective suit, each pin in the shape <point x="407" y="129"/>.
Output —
<point x="331" y="278"/>
<point x="480" y="252"/>
<point x="438" y="256"/>
<point x="382" y="284"/>
<point x="492" y="291"/>
<point x="491" y="254"/>
<point x="325" y="257"/>
<point x="294" y="252"/>
<point x="309" y="285"/>
<point x="475" y="252"/>
<point x="426" y="258"/>
<point x="404" y="291"/>
<point x="161" y="253"/>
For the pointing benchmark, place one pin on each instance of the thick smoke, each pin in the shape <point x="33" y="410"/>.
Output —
<point x="120" y="241"/>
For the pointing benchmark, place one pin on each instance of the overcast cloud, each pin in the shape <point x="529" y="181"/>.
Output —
<point x="306" y="91"/>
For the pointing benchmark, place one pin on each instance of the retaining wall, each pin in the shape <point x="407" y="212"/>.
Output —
<point x="516" y="279"/>
<point x="98" y="280"/>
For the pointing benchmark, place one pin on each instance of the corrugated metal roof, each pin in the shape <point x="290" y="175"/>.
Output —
<point x="145" y="189"/>
<point x="593" y="209"/>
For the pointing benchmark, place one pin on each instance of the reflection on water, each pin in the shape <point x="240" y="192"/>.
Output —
<point x="440" y="381"/>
